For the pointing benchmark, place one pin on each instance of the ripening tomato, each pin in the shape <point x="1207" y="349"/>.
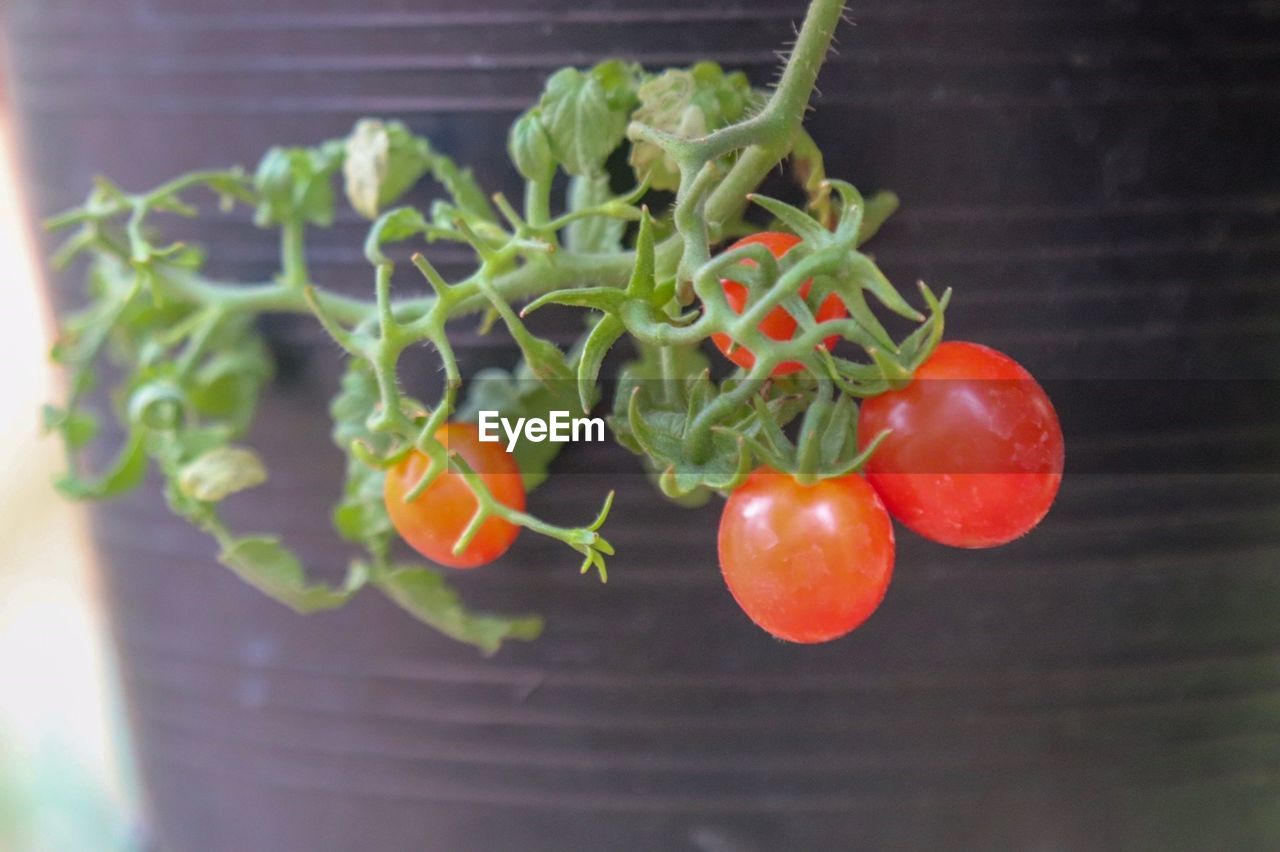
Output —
<point x="778" y="324"/>
<point x="975" y="455"/>
<point x="808" y="563"/>
<point x="433" y="522"/>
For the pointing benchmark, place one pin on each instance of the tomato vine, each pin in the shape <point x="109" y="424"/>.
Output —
<point x="195" y="364"/>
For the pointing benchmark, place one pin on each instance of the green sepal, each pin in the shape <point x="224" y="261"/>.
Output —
<point x="839" y="437"/>
<point x="919" y="345"/>
<point x="860" y="218"/>
<point x="607" y="331"/>
<point x="661" y="434"/>
<point x="797" y="221"/>
<point x="855" y="303"/>
<point x="605" y="299"/>
<point x="869" y="276"/>
<point x="890" y="368"/>
<point x="877" y="211"/>
<point x="645" y="373"/>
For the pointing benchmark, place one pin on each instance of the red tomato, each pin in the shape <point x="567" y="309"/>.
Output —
<point x="433" y="522"/>
<point x="777" y="324"/>
<point x="975" y="456"/>
<point x="808" y="563"/>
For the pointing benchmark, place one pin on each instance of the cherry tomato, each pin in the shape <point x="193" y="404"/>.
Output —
<point x="433" y="522"/>
<point x="808" y="563"/>
<point x="778" y="324"/>
<point x="975" y="456"/>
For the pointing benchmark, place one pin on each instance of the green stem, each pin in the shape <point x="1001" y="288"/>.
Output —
<point x="563" y="269"/>
<point x="293" y="254"/>
<point x="537" y="202"/>
<point x="785" y="110"/>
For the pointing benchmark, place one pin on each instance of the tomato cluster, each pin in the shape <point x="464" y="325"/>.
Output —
<point x="973" y="458"/>
<point x="970" y="455"/>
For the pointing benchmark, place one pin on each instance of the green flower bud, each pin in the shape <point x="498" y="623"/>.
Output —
<point x="530" y="148"/>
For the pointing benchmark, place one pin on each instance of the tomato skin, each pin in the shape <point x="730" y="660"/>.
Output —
<point x="807" y="563"/>
<point x="976" y="454"/>
<point x="777" y="324"/>
<point x="432" y="523"/>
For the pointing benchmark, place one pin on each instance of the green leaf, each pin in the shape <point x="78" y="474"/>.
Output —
<point x="585" y="115"/>
<point x="264" y="563"/>
<point x="226" y="386"/>
<point x="230" y="186"/>
<point x="392" y="227"/>
<point x="686" y="104"/>
<point x="461" y="184"/>
<point x="360" y="515"/>
<point x="221" y="472"/>
<point x="426" y="596"/>
<point x="177" y="448"/>
<point x="357" y="397"/>
<point x="382" y="162"/>
<point x="359" y="519"/>
<point x="78" y="428"/>
<point x="125" y="473"/>
<point x="296" y="184"/>
<point x="619" y="80"/>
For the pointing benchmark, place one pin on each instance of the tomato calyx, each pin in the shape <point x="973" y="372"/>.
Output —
<point x="826" y="446"/>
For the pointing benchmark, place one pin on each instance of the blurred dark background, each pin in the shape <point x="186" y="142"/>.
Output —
<point x="1098" y="181"/>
